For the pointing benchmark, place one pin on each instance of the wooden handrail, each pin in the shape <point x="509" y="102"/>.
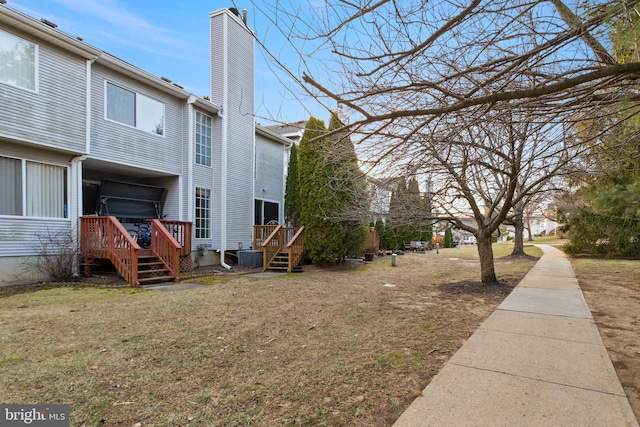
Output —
<point x="295" y="248"/>
<point x="272" y="236"/>
<point x="181" y="231"/>
<point x="105" y="237"/>
<point x="165" y="247"/>
<point x="272" y="246"/>
<point x="281" y="239"/>
<point x="295" y="236"/>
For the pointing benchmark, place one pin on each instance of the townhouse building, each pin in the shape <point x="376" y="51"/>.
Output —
<point x="86" y="135"/>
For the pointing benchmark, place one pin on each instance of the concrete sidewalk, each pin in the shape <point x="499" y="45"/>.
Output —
<point x="538" y="360"/>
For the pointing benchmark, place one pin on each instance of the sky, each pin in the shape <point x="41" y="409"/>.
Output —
<point x="170" y="38"/>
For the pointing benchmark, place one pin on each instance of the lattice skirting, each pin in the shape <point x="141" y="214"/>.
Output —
<point x="186" y="264"/>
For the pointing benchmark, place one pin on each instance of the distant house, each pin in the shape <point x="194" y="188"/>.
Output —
<point x="292" y="131"/>
<point x="85" y="135"/>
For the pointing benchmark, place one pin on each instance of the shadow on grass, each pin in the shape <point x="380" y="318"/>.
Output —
<point x="471" y="287"/>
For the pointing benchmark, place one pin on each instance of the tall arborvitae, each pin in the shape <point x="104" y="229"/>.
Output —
<point x="292" y="192"/>
<point x="350" y="190"/>
<point x="322" y="241"/>
<point x="448" y="238"/>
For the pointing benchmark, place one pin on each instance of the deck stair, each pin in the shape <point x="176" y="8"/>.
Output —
<point x="280" y="262"/>
<point x="282" y="247"/>
<point x="104" y="237"/>
<point x="151" y="269"/>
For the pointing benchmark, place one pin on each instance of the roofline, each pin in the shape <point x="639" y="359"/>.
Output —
<point x="142" y="76"/>
<point x="34" y="27"/>
<point x="261" y="130"/>
<point x="65" y="41"/>
<point x="203" y="104"/>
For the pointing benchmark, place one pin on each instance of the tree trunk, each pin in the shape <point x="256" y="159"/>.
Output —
<point x="485" y="251"/>
<point x="529" y="231"/>
<point x="518" y="248"/>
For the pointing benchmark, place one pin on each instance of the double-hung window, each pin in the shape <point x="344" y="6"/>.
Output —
<point x="32" y="189"/>
<point x="18" y="62"/>
<point x="134" y="109"/>
<point x="203" y="139"/>
<point x="203" y="213"/>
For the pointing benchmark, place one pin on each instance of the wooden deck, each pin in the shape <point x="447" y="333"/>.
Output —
<point x="106" y="238"/>
<point x="282" y="247"/>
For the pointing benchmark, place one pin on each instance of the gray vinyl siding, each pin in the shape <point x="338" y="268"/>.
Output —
<point x="208" y="177"/>
<point x="171" y="206"/>
<point x="240" y="134"/>
<point x="269" y="183"/>
<point x="216" y="176"/>
<point x="19" y="234"/>
<point x="115" y="142"/>
<point x="55" y="115"/>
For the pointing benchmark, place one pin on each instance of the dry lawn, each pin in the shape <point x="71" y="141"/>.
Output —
<point x="351" y="345"/>
<point x="612" y="291"/>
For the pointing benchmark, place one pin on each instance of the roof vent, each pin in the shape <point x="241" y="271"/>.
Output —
<point x="177" y="85"/>
<point x="3" y="1"/>
<point x="49" y="23"/>
<point x="166" y="79"/>
<point x="234" y="11"/>
<point x="77" y="38"/>
<point x="245" y="14"/>
<point x="206" y="97"/>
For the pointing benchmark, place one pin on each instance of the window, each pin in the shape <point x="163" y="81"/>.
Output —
<point x="265" y="212"/>
<point x="10" y="186"/>
<point x="40" y="192"/>
<point x="18" y="62"/>
<point x="203" y="139"/>
<point x="203" y="213"/>
<point x="134" y="109"/>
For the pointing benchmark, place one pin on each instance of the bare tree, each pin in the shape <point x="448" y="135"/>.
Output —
<point x="455" y="90"/>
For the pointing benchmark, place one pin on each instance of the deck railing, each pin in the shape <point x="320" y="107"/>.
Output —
<point x="181" y="232"/>
<point x="105" y="237"/>
<point x="289" y="240"/>
<point x="272" y="245"/>
<point x="295" y="247"/>
<point x="261" y="233"/>
<point x="165" y="247"/>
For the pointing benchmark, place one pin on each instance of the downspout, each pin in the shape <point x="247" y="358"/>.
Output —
<point x="223" y="186"/>
<point x="223" y="148"/>
<point x="190" y="186"/>
<point x="75" y="209"/>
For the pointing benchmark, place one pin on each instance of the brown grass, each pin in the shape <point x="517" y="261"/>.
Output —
<point x="612" y="291"/>
<point x="325" y="347"/>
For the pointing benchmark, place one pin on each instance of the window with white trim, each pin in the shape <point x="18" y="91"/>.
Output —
<point x="203" y="139"/>
<point x="134" y="109"/>
<point x="18" y="62"/>
<point x="32" y="189"/>
<point x="203" y="213"/>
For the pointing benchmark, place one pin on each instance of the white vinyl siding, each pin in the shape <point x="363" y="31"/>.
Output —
<point x="203" y="213"/>
<point x="134" y="109"/>
<point x="18" y="62"/>
<point x="203" y="139"/>
<point x="32" y="189"/>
